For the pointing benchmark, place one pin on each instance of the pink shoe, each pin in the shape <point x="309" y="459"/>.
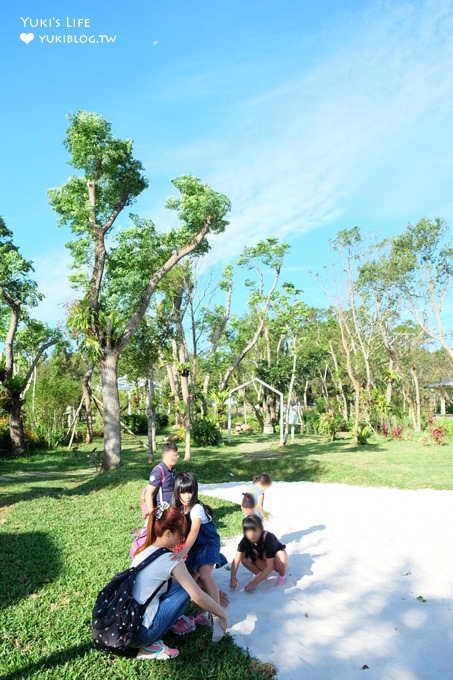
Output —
<point x="281" y="581"/>
<point x="183" y="626"/>
<point x="203" y="619"/>
<point x="158" y="651"/>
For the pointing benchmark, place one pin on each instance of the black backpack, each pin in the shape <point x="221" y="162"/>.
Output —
<point x="117" y="615"/>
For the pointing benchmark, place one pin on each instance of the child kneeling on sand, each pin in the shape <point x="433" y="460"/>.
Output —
<point x="261" y="553"/>
<point x="254" y="498"/>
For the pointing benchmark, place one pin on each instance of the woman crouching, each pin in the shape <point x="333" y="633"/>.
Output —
<point x="165" y="528"/>
<point x="261" y="553"/>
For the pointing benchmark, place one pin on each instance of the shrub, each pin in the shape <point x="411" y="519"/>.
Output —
<point x="161" y="421"/>
<point x="364" y="433"/>
<point x="447" y="424"/>
<point x="205" y="432"/>
<point x="397" y="432"/>
<point x="385" y="430"/>
<point x="436" y="431"/>
<point x="137" y="422"/>
<point x="311" y="422"/>
<point x="328" y="424"/>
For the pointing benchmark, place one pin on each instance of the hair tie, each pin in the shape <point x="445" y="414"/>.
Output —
<point x="159" y="511"/>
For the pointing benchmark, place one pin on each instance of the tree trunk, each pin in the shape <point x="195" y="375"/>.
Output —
<point x="86" y="391"/>
<point x="152" y="447"/>
<point x="306" y="394"/>
<point x="111" y="410"/>
<point x="174" y="390"/>
<point x="16" y="427"/>
<point x="417" y="418"/>
<point x="339" y="382"/>
<point x="185" y="388"/>
<point x="389" y="389"/>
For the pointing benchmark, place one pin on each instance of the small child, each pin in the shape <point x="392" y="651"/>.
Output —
<point x="202" y="544"/>
<point x="248" y="504"/>
<point x="261" y="553"/>
<point x="261" y="483"/>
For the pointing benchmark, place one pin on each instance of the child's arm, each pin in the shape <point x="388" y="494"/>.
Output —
<point x="234" y="569"/>
<point x="262" y="576"/>
<point x="260" y="506"/>
<point x="149" y="497"/>
<point x="191" y="538"/>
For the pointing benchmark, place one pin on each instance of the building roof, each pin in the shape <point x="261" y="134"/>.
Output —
<point x="448" y="382"/>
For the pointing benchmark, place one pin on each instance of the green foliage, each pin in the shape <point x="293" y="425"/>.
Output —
<point x="329" y="424"/>
<point x="16" y="286"/>
<point x="311" y="421"/>
<point x="205" y="432"/>
<point x="364" y="433"/>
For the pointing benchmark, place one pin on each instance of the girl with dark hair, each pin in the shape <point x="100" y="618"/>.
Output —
<point x="165" y="528"/>
<point x="202" y="544"/>
<point x="261" y="553"/>
<point x="261" y="484"/>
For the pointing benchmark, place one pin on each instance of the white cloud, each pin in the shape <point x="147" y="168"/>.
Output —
<point x="373" y="115"/>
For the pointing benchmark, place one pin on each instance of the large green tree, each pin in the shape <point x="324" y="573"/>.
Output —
<point x="18" y="295"/>
<point x="117" y="276"/>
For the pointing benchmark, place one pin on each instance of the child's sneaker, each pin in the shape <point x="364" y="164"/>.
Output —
<point x="281" y="580"/>
<point x="203" y="619"/>
<point x="217" y="630"/>
<point x="157" y="651"/>
<point x="183" y="626"/>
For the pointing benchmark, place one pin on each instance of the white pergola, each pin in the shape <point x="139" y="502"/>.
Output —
<point x="229" y="402"/>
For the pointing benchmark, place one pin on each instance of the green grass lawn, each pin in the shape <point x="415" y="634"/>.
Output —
<point x="64" y="531"/>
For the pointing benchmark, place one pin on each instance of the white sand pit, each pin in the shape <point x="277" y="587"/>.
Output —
<point x="369" y="592"/>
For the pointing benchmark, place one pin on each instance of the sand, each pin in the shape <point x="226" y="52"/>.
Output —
<point x="369" y="592"/>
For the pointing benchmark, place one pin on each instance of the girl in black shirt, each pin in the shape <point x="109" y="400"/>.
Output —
<point x="261" y="553"/>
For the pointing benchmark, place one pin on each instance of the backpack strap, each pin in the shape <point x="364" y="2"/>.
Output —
<point x="161" y="497"/>
<point x="145" y="563"/>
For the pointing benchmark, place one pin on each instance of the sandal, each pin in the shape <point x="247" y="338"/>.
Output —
<point x="157" y="651"/>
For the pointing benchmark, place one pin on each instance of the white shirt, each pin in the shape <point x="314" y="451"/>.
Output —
<point x="198" y="512"/>
<point x="149" y="578"/>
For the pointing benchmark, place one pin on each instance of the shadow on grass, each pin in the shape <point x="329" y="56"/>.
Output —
<point x="228" y="463"/>
<point x="58" y="658"/>
<point x="32" y="558"/>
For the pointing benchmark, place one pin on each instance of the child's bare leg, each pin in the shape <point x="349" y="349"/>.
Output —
<point x="255" y="567"/>
<point x="281" y="562"/>
<point x="224" y="599"/>
<point x="209" y="583"/>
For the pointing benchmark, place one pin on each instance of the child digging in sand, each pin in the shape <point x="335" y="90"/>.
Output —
<point x="261" y="483"/>
<point x="261" y="553"/>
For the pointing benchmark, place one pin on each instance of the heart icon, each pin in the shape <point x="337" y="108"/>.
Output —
<point x="27" y="37"/>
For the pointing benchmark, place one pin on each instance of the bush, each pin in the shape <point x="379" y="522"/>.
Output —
<point x="397" y="432"/>
<point x="311" y="422"/>
<point x="161" y="421"/>
<point x="436" y="431"/>
<point x="364" y="433"/>
<point x="447" y="424"/>
<point x="328" y="424"/>
<point x="137" y="422"/>
<point x="205" y="432"/>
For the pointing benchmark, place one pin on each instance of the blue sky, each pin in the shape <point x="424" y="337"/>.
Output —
<point x="310" y="116"/>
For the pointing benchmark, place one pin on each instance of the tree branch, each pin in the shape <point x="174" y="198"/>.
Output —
<point x="155" y="279"/>
<point x="230" y="370"/>
<point x="38" y="355"/>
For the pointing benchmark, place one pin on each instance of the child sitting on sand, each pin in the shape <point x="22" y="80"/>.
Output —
<point x="261" y="483"/>
<point x="261" y="553"/>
